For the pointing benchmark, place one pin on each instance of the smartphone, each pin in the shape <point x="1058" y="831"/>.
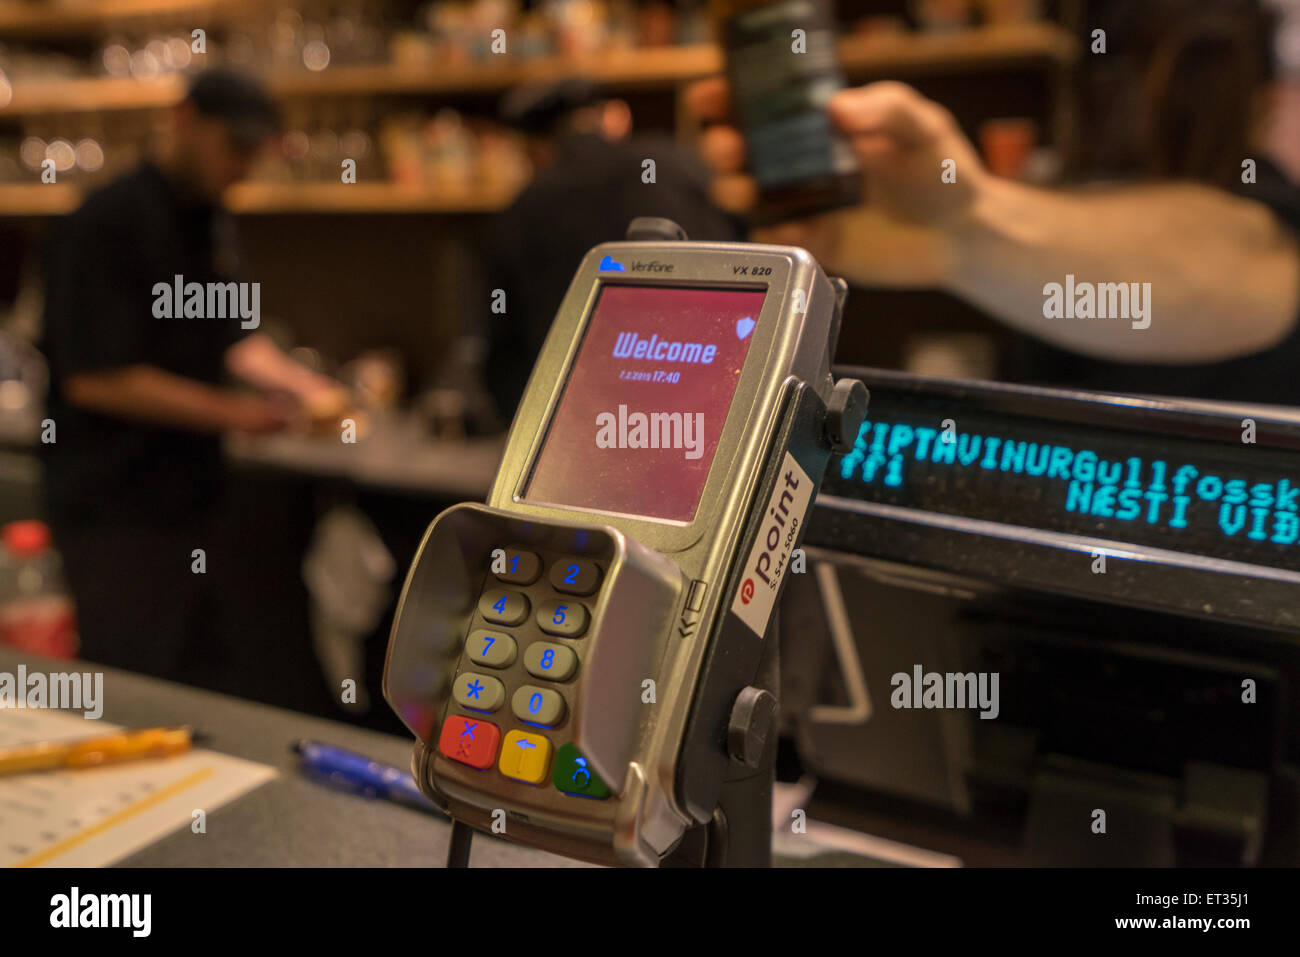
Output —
<point x="782" y="69"/>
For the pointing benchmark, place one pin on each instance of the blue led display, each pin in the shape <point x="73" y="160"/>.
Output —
<point x="1179" y="501"/>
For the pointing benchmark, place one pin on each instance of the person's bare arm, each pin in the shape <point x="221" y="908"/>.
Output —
<point x="258" y="360"/>
<point x="1225" y="276"/>
<point x="145" y="393"/>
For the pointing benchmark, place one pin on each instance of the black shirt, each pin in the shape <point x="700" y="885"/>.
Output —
<point x="587" y="196"/>
<point x="103" y="264"/>
<point x="1271" y="376"/>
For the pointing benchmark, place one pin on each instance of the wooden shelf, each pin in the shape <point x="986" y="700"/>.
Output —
<point x="653" y="67"/>
<point x="93" y="95"/>
<point x="72" y="18"/>
<point x="53" y="199"/>
<point x="894" y="56"/>
<point x="37" y="199"/>
<point x="262" y="198"/>
<point x="979" y="50"/>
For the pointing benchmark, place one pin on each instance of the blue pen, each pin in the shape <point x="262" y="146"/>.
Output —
<point x="360" y="775"/>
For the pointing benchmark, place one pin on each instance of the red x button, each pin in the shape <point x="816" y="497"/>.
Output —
<point x="469" y="741"/>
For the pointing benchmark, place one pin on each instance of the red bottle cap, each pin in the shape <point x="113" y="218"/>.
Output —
<point x="27" y="538"/>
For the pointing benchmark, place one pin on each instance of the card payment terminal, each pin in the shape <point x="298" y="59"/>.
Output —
<point x="579" y="657"/>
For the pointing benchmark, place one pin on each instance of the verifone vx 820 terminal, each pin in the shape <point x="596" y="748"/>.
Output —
<point x="580" y="657"/>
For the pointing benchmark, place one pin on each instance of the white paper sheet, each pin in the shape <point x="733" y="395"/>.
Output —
<point x="95" y="817"/>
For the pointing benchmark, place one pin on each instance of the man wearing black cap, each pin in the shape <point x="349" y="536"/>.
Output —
<point x="137" y="356"/>
<point x="590" y="180"/>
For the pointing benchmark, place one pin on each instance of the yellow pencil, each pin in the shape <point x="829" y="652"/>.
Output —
<point x="93" y="752"/>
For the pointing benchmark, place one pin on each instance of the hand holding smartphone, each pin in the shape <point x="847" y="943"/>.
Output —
<point x="782" y="70"/>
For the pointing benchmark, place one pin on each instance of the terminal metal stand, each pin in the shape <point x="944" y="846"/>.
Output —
<point x="740" y="834"/>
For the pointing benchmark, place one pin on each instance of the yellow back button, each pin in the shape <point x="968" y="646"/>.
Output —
<point x="525" y="757"/>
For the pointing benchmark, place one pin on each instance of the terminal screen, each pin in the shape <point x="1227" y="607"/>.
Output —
<point x="638" y="423"/>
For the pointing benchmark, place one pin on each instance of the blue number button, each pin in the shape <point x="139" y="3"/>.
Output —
<point x="478" y="692"/>
<point x="552" y="662"/>
<point x="540" y="706"/>
<point x="516" y="567"/>
<point x="574" y="775"/>
<point x="495" y="649"/>
<point x="568" y="619"/>
<point x="502" y="607"/>
<point x="575" y="576"/>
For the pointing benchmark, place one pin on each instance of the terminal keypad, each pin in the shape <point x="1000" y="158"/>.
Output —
<point x="523" y="652"/>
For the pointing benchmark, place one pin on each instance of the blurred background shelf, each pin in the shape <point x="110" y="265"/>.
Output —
<point x="92" y="94"/>
<point x="363" y="198"/>
<point x="37" y="199"/>
<point x="272" y="198"/>
<point x="978" y="50"/>
<point x="31" y="19"/>
<point x="54" y="199"/>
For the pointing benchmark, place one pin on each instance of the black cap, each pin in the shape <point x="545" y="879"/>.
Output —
<point x="540" y="108"/>
<point x="238" y="100"/>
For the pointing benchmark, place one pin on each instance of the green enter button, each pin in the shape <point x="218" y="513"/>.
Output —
<point x="573" y="775"/>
